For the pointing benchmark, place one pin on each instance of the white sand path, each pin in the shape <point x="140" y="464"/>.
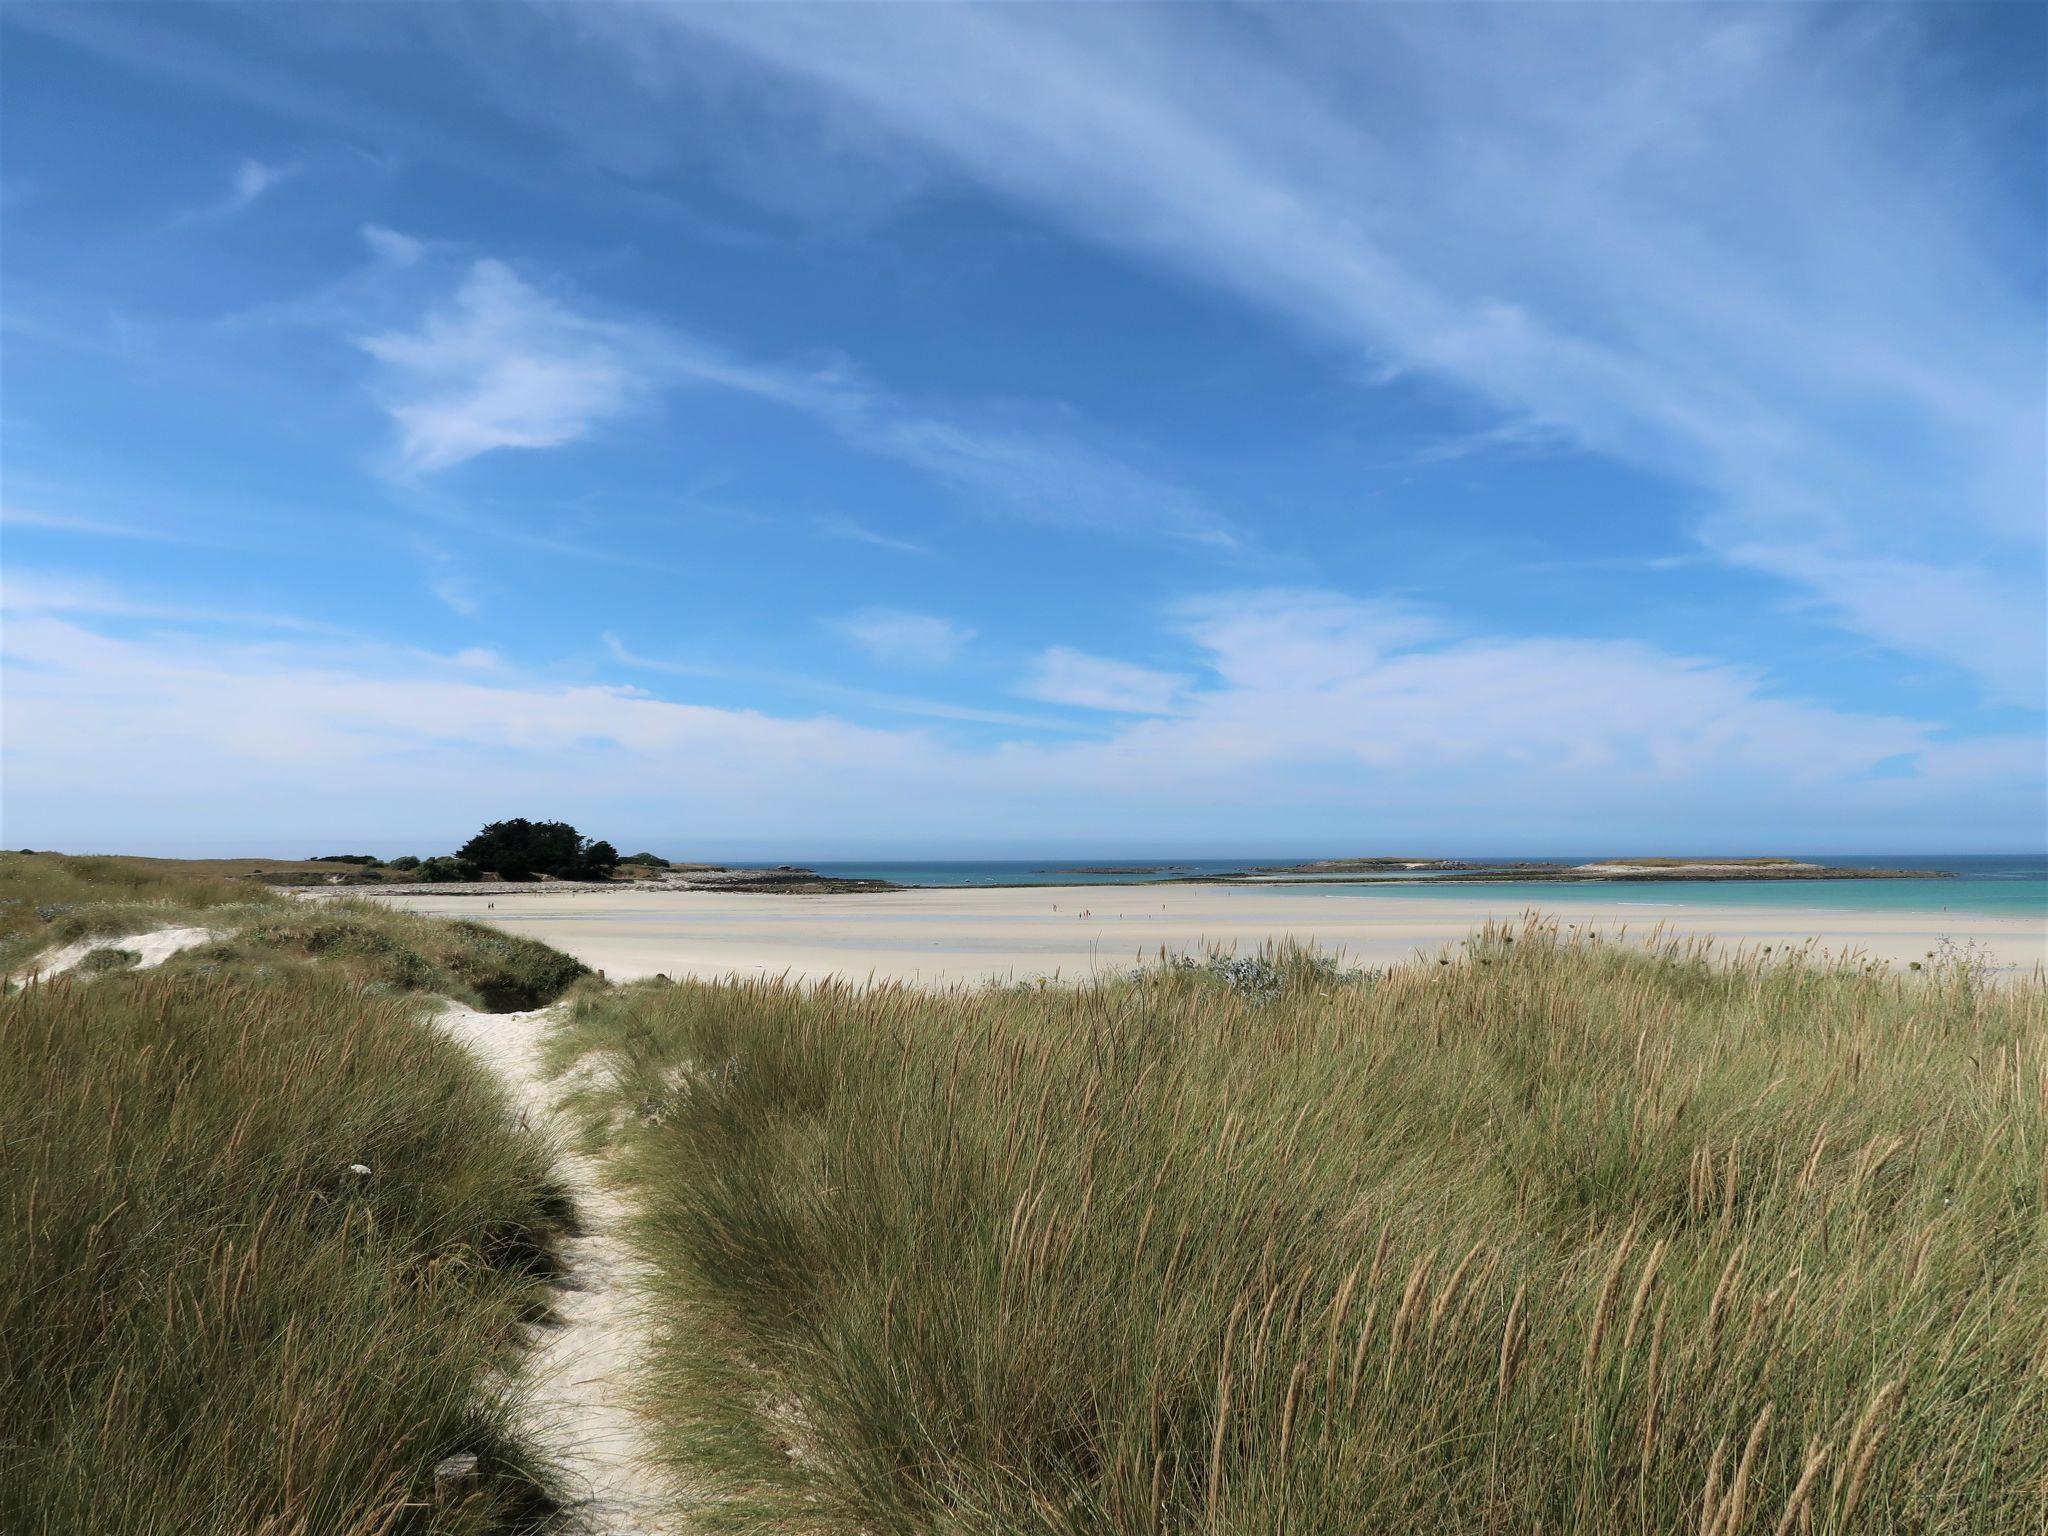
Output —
<point x="579" y="1379"/>
<point x="946" y="936"/>
<point x="150" y="949"/>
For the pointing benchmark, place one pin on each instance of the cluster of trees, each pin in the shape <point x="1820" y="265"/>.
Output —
<point x="522" y="850"/>
<point x="511" y="850"/>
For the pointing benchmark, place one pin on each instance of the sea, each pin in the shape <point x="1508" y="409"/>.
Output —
<point x="2012" y="885"/>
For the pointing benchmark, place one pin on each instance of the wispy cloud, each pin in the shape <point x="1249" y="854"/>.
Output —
<point x="860" y="533"/>
<point x="501" y="364"/>
<point x="851" y="698"/>
<point x="1578" y="215"/>
<point x="905" y="639"/>
<point x="96" y="527"/>
<point x="249" y="181"/>
<point x="1061" y="675"/>
<point x="452" y="584"/>
<point x="391" y="247"/>
<point x="26" y="592"/>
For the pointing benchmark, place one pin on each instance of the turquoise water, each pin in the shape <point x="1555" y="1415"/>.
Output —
<point x="2011" y="885"/>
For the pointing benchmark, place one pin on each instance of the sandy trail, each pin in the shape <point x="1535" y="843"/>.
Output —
<point x="151" y="949"/>
<point x="580" y="1376"/>
<point x="940" y="937"/>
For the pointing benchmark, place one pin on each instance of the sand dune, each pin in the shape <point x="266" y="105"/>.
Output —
<point x="937" y="937"/>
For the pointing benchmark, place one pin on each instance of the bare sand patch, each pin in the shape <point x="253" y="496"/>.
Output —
<point x="150" y="949"/>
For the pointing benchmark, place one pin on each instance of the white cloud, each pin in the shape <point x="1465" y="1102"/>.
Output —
<point x="1322" y="727"/>
<point x="1064" y="676"/>
<point x="1287" y="638"/>
<point x="392" y="248"/>
<point x="905" y="639"/>
<point x="1758" y="251"/>
<point x="249" y="181"/>
<point x="253" y="178"/>
<point x="503" y="366"/>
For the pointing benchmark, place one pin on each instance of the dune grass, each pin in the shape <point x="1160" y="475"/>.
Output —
<point x="1561" y="1237"/>
<point x="209" y="1321"/>
<point x="48" y="900"/>
<point x="268" y="1239"/>
<point x="474" y="962"/>
<point x="51" y="900"/>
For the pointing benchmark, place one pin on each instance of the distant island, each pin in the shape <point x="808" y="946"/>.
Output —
<point x="1376" y="871"/>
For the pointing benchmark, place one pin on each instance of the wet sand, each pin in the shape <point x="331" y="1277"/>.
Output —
<point x="1070" y="933"/>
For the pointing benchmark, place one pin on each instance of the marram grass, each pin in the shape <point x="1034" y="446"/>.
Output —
<point x="1563" y="1237"/>
<point x="268" y="1239"/>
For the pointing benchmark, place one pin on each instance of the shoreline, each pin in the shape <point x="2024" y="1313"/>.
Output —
<point x="941" y="936"/>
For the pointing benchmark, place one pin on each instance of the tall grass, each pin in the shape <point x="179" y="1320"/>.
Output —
<point x="479" y="964"/>
<point x="268" y="1239"/>
<point x="49" y="900"/>
<point x="1563" y="1238"/>
<point x="209" y="1321"/>
<point x="53" y="899"/>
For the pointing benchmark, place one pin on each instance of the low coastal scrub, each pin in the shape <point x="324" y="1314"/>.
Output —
<point x="1561" y="1237"/>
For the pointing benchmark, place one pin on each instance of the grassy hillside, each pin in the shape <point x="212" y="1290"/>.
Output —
<point x="267" y="1238"/>
<point x="48" y="901"/>
<point x="256" y="870"/>
<point x="476" y="963"/>
<point x="1563" y="1239"/>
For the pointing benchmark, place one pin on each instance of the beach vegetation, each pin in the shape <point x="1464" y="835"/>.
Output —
<point x="269" y="1240"/>
<point x="445" y="869"/>
<point x="1560" y="1236"/>
<point x="375" y="945"/>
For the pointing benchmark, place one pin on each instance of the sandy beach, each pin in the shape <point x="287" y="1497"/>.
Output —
<point x="947" y="936"/>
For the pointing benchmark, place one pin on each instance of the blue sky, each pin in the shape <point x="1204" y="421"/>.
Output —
<point x="759" y="430"/>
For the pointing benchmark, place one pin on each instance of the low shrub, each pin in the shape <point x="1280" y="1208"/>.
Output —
<point x="107" y="958"/>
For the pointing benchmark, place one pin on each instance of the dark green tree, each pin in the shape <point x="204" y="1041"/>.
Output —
<point x="521" y="850"/>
